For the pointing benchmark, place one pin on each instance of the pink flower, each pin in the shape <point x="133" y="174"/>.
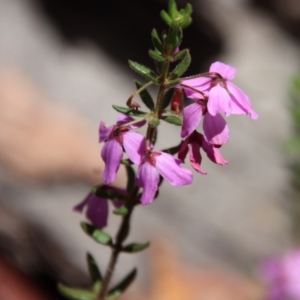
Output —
<point x="282" y="276"/>
<point x="97" y="207"/>
<point x="116" y="137"/>
<point x="155" y="163"/>
<point x="215" y="128"/>
<point x="193" y="144"/>
<point x="223" y="96"/>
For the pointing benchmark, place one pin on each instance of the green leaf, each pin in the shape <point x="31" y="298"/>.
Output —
<point x="75" y="294"/>
<point x="188" y="9"/>
<point x="145" y="96"/>
<point x="108" y="194"/>
<point x="119" y="289"/>
<point x="182" y="66"/>
<point x="96" y="234"/>
<point x="134" y="247"/>
<point x="165" y="16"/>
<point x="94" y="271"/>
<point x="156" y="55"/>
<point x="144" y="71"/>
<point x="156" y="40"/>
<point x="176" y="120"/>
<point x="171" y="83"/>
<point x="173" y="12"/>
<point x="167" y="98"/>
<point x="96" y="287"/>
<point x="121" y="211"/>
<point x="130" y="179"/>
<point x="129" y="111"/>
<point x="181" y="54"/>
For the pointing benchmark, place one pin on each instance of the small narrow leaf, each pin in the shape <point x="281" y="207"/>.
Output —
<point x="181" y="54"/>
<point x="122" y="286"/>
<point x="108" y="194"/>
<point x="96" y="234"/>
<point x="130" y="179"/>
<point x="134" y="247"/>
<point x="121" y="211"/>
<point x="129" y="111"/>
<point x="156" y="55"/>
<point x="145" y="96"/>
<point x="165" y="16"/>
<point x="188" y="9"/>
<point x="156" y="40"/>
<point x="144" y="71"/>
<point x="96" y="287"/>
<point x="181" y="67"/>
<point x="75" y="294"/>
<point x="173" y="12"/>
<point x="167" y="98"/>
<point x="171" y="83"/>
<point x="176" y="120"/>
<point x="94" y="271"/>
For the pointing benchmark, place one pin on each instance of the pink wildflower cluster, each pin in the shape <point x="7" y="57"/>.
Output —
<point x="282" y="276"/>
<point x="151" y="163"/>
<point x="214" y="95"/>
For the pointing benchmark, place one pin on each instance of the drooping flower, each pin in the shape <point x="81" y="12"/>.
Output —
<point x="193" y="144"/>
<point x="282" y="276"/>
<point x="215" y="128"/>
<point x="155" y="163"/>
<point x="116" y="137"/>
<point x="223" y="95"/>
<point x="97" y="207"/>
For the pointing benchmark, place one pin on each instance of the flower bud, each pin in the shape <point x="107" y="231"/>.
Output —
<point x="177" y="101"/>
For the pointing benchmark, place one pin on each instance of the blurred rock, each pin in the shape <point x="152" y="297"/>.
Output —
<point x="171" y="278"/>
<point x="286" y="12"/>
<point x="41" y="141"/>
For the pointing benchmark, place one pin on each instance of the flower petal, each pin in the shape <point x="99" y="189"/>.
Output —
<point x="240" y="102"/>
<point x="213" y="154"/>
<point x="219" y="101"/>
<point x="216" y="130"/>
<point x="192" y="115"/>
<point x="226" y="71"/>
<point x="104" y="132"/>
<point x="135" y="146"/>
<point x="148" y="179"/>
<point x="80" y="206"/>
<point x="169" y="167"/>
<point x="97" y="211"/>
<point x="201" y="83"/>
<point x="184" y="149"/>
<point x="111" y="153"/>
<point x="196" y="158"/>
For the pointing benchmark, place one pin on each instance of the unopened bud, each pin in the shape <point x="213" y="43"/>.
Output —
<point x="177" y="101"/>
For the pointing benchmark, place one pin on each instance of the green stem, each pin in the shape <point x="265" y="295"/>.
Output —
<point x="138" y="91"/>
<point x="161" y="91"/>
<point x="117" y="249"/>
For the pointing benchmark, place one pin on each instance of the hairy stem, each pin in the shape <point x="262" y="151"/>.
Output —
<point x="117" y="249"/>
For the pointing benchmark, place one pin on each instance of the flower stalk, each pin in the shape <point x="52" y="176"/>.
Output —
<point x="214" y="96"/>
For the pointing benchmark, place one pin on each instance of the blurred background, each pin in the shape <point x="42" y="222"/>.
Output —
<point x="62" y="65"/>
